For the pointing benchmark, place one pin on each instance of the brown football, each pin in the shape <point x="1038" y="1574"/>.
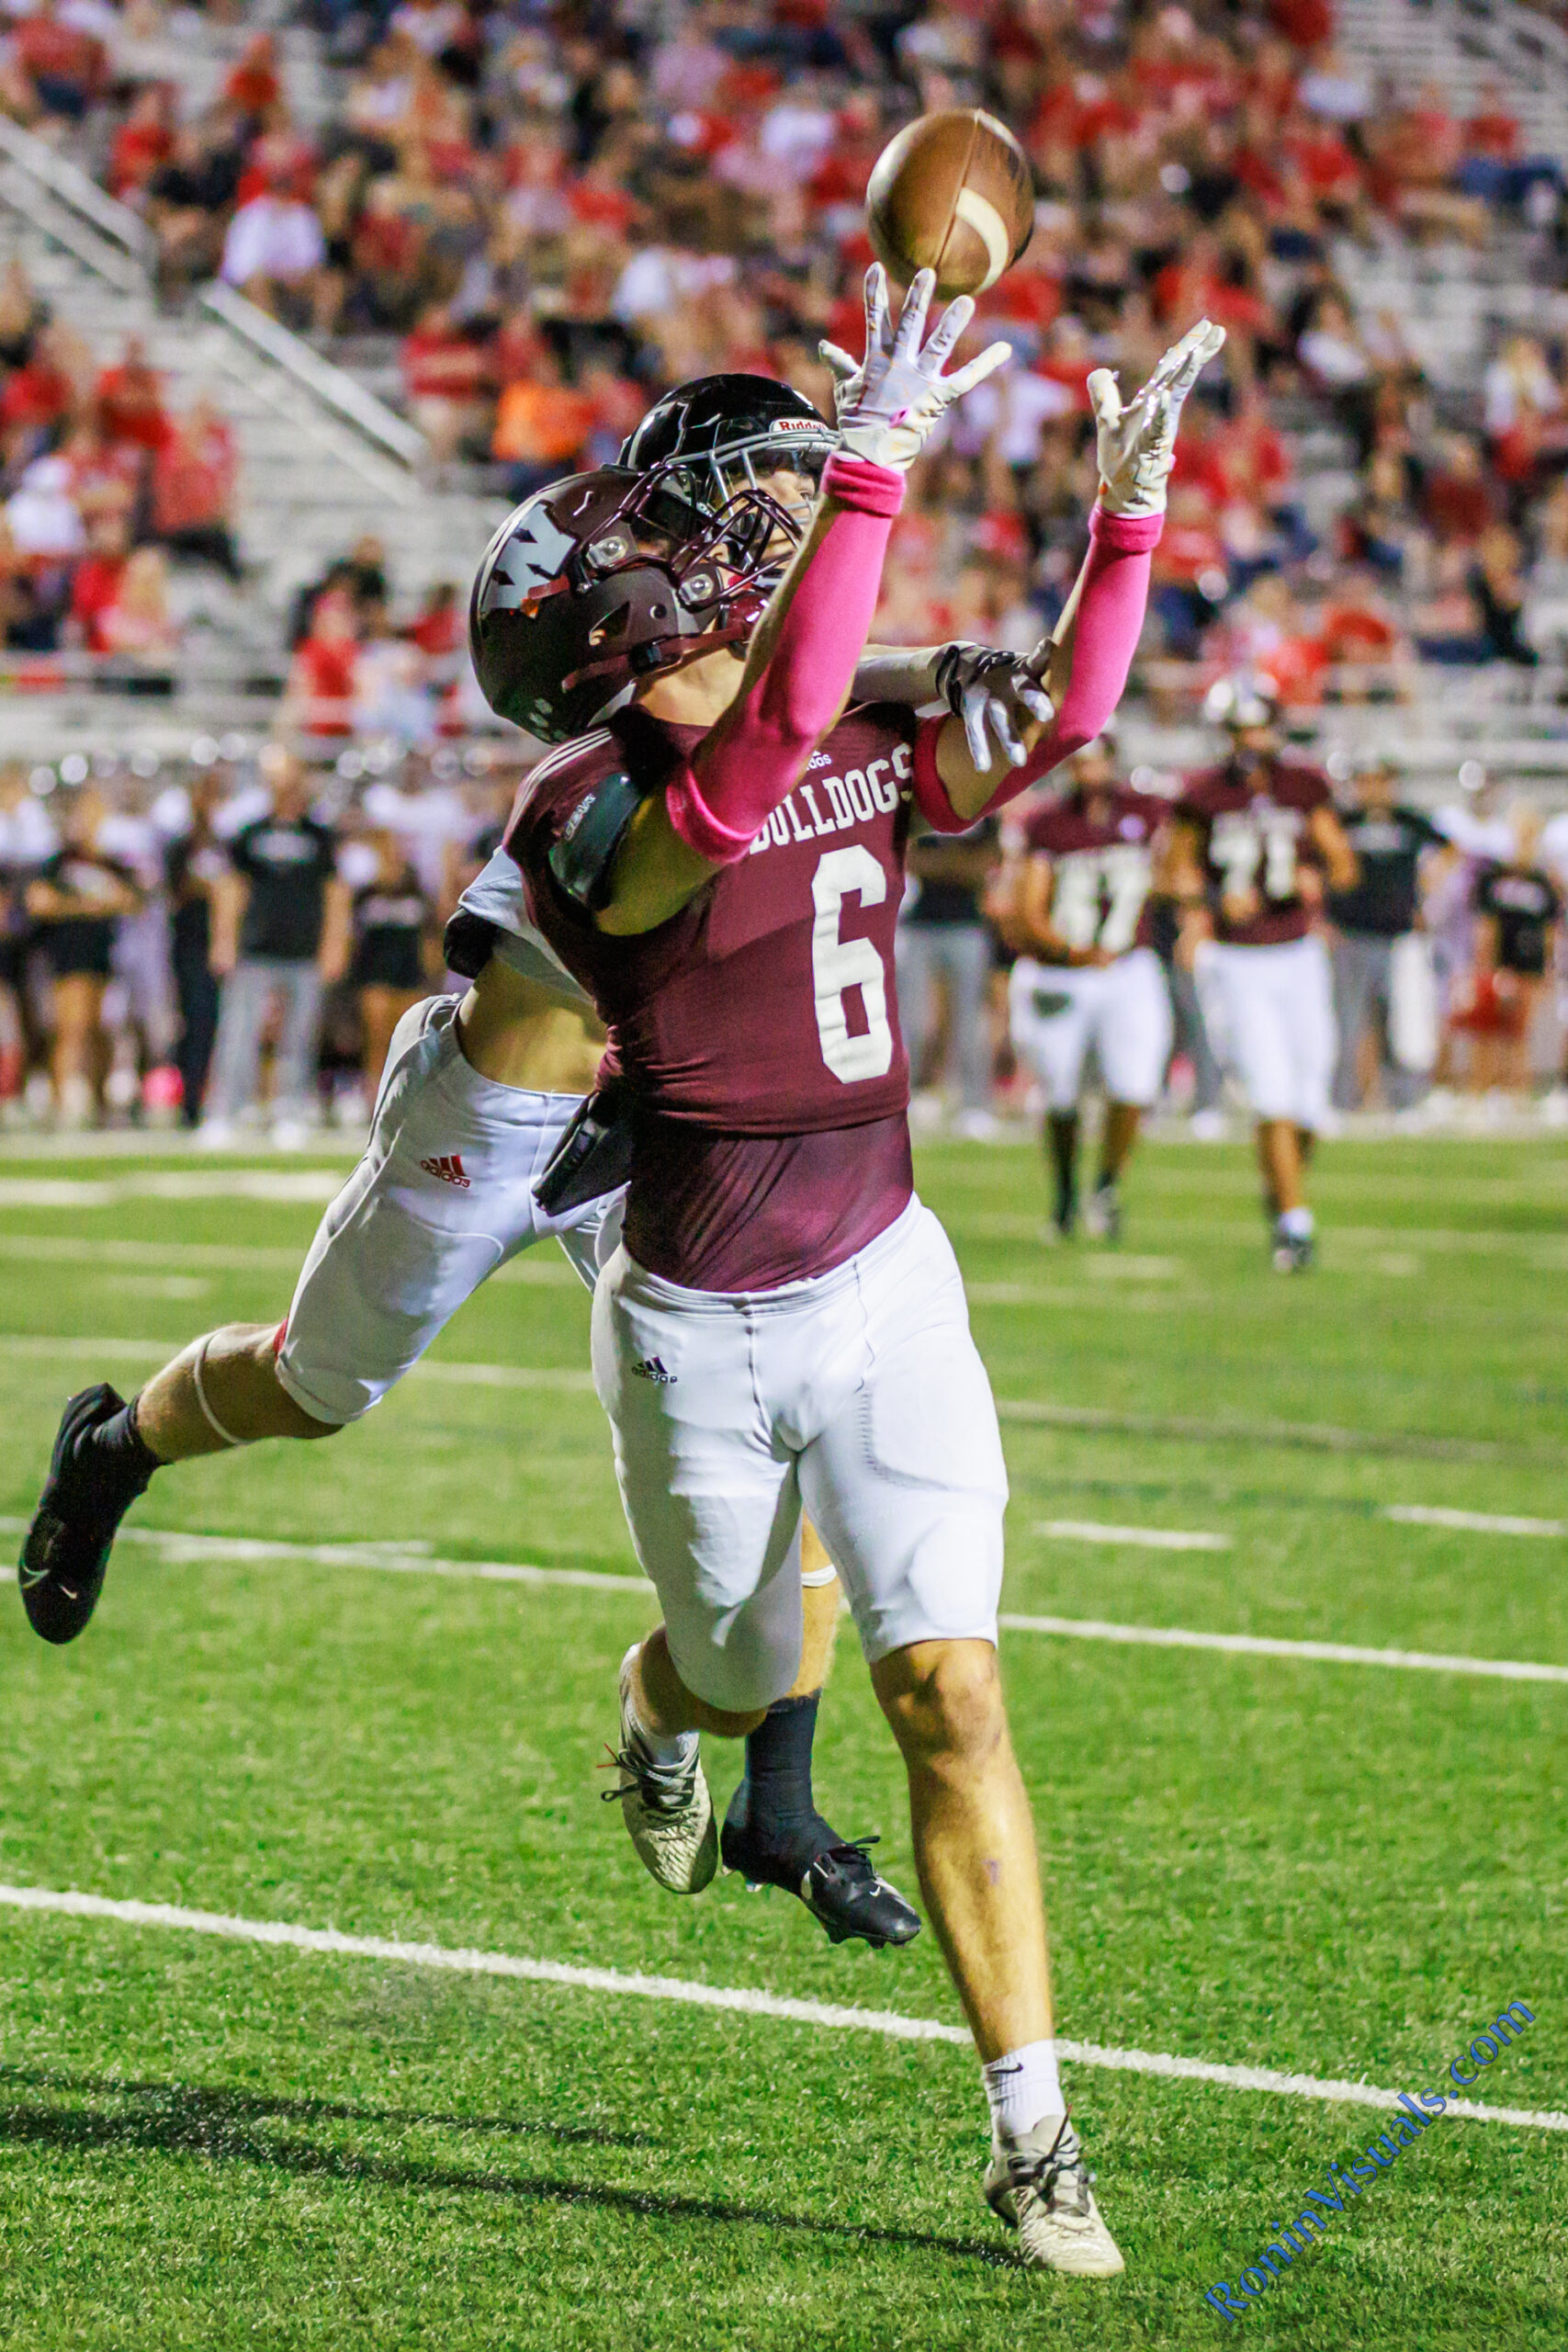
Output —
<point x="953" y="193"/>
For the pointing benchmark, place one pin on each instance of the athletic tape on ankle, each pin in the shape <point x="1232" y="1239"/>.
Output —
<point x="212" y="1420"/>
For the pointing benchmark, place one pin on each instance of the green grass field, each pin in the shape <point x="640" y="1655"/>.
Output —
<point x="1334" y="1870"/>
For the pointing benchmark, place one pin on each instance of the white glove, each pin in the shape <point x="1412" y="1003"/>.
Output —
<point x="1137" y="444"/>
<point x="888" y="405"/>
<point x="989" y="689"/>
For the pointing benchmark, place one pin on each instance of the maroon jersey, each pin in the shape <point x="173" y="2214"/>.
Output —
<point x="758" y="1027"/>
<point x="1100" y="866"/>
<point x="1252" y="827"/>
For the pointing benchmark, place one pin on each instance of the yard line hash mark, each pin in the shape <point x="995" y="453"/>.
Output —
<point x="734" y="1998"/>
<point x="1151" y="1539"/>
<point x="1314" y="1436"/>
<point x="410" y="1560"/>
<point x="1180" y="1637"/>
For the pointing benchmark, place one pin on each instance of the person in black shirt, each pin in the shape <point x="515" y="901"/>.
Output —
<point x="1518" y="907"/>
<point x="194" y="867"/>
<point x="943" y="934"/>
<point x="281" y="929"/>
<point x="1383" y="969"/>
<point x="392" y="920"/>
<point x="77" y="899"/>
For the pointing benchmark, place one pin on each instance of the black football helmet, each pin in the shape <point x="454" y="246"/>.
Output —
<point x="604" y="578"/>
<point x="728" y="434"/>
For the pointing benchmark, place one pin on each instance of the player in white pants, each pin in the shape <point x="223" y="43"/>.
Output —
<point x="892" y="1451"/>
<point x="1271" y="1011"/>
<point x="1087" y="981"/>
<point x="1252" y="844"/>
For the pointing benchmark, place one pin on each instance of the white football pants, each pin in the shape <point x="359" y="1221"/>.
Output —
<point x="858" y="1393"/>
<point x="443" y="1194"/>
<point x="1056" y="1012"/>
<point x="1270" y="1014"/>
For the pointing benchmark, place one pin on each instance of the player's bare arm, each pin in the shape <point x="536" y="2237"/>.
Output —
<point x="1036" y="890"/>
<point x="1179" y="875"/>
<point x="1329" y="839"/>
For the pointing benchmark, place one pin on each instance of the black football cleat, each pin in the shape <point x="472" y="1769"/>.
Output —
<point x="838" y="1884"/>
<point x="66" y="1549"/>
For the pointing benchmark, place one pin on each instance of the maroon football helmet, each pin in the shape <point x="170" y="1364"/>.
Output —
<point x="605" y="578"/>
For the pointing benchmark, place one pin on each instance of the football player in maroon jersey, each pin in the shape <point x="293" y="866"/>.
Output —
<point x="720" y="865"/>
<point x="446" y="1193"/>
<point x="1251" y="847"/>
<point x="1086" y="974"/>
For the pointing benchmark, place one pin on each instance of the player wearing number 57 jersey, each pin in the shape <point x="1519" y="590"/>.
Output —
<point x="1088" y="979"/>
<point x="1252" y="844"/>
<point x="784" y="1325"/>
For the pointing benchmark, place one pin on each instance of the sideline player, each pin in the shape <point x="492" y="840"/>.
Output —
<point x="721" y="865"/>
<point x="1383" y="980"/>
<point x="476" y="1096"/>
<point x="1087" y="976"/>
<point x="1249" y="846"/>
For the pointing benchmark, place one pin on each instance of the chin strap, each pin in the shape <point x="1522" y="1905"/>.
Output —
<point x="692" y="648"/>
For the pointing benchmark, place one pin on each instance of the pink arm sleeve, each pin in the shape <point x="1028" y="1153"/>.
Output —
<point x="756" y="754"/>
<point x="1109" y="621"/>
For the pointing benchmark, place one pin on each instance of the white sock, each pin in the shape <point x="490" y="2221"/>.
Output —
<point x="660" y="1748"/>
<point x="1023" y="2087"/>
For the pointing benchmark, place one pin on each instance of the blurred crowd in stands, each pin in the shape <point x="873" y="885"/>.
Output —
<point x="102" y="483"/>
<point x="560" y="210"/>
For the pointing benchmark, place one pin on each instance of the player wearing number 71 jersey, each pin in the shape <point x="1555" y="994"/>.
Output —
<point x="1087" y="976"/>
<point x="1250" y="845"/>
<point x="720" y="865"/>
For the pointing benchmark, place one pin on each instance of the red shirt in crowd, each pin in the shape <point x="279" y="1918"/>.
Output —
<point x="193" y="477"/>
<point x="48" y="51"/>
<point x="440" y="363"/>
<point x="36" y="394"/>
<point x="93" y="587"/>
<point x="130" y="406"/>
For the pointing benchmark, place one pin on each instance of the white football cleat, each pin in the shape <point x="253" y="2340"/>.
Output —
<point x="1040" y="2186"/>
<point x="666" y="1807"/>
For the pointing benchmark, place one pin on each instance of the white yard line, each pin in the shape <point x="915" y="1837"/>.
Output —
<point x="63" y="1249"/>
<point x="1314" y="1436"/>
<point x="456" y="1375"/>
<point x="734" y="1998"/>
<point x="1152" y="1538"/>
<point x="287" y="1185"/>
<point x="1180" y="1637"/>
<point x="1475" y="1523"/>
<point x="401" y="1559"/>
<point x="410" y="1560"/>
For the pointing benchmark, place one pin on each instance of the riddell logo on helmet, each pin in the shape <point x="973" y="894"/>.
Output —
<point x="798" y="425"/>
<point x="448" y="1167"/>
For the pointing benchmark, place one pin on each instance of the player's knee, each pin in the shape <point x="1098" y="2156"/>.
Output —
<point x="944" y="1701"/>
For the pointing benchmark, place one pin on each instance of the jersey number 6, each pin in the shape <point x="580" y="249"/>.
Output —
<point x="839" y="964"/>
